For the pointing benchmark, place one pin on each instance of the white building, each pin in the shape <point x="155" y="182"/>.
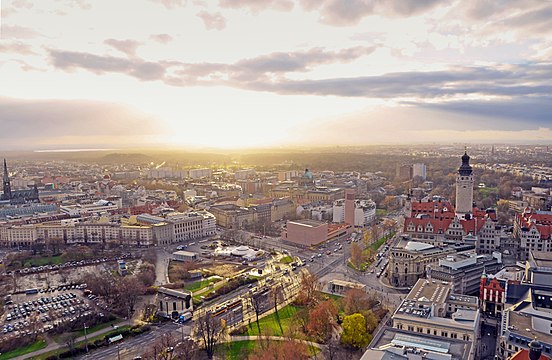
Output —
<point x="365" y="211"/>
<point x="199" y="173"/>
<point x="244" y="174"/>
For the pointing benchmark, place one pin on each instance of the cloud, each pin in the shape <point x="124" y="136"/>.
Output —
<point x="521" y="91"/>
<point x="171" y="4"/>
<point x="16" y="47"/>
<point x="140" y="69"/>
<point x="17" y="32"/>
<point x="53" y="121"/>
<point x="212" y="21"/>
<point x="22" y="4"/>
<point x="351" y="12"/>
<point x="162" y="38"/>
<point x="256" y="6"/>
<point x="182" y="74"/>
<point x="125" y="46"/>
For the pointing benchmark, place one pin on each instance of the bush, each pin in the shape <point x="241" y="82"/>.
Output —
<point x="239" y="331"/>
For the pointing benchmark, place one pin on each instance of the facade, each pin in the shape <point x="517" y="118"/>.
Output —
<point x="492" y="294"/>
<point x="432" y="309"/>
<point x="173" y="303"/>
<point x="464" y="188"/>
<point x="230" y="216"/>
<point x="191" y="225"/>
<point x="408" y="260"/>
<point x="532" y="230"/>
<point x="305" y="232"/>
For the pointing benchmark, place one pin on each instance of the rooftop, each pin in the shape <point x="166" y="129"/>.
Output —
<point x="429" y="291"/>
<point x="397" y="339"/>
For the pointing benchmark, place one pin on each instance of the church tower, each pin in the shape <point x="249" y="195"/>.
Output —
<point x="6" y="182"/>
<point x="464" y="188"/>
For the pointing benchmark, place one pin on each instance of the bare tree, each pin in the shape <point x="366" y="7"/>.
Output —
<point x="257" y="307"/>
<point x="209" y="329"/>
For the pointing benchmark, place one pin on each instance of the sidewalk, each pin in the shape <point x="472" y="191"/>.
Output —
<point x="55" y="346"/>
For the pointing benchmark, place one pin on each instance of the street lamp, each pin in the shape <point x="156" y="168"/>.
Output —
<point x="85" y="338"/>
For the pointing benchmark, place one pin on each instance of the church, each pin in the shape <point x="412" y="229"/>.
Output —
<point x="15" y="197"/>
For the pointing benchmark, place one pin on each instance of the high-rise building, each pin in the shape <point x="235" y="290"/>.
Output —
<point x="350" y="207"/>
<point x="419" y="170"/>
<point x="464" y="188"/>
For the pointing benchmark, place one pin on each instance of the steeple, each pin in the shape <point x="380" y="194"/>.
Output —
<point x="6" y="183"/>
<point x="465" y="169"/>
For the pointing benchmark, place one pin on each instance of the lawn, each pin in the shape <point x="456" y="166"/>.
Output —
<point x="45" y="260"/>
<point x="90" y="341"/>
<point x="40" y="344"/>
<point x="198" y="285"/>
<point x="381" y="212"/>
<point x="286" y="260"/>
<point x="276" y="323"/>
<point x="93" y="329"/>
<point x="237" y="350"/>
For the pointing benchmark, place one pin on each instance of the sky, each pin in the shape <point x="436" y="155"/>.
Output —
<point x="263" y="73"/>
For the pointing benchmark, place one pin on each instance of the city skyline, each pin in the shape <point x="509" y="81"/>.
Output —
<point x="230" y="73"/>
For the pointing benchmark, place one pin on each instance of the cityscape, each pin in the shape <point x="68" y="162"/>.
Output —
<point x="275" y="180"/>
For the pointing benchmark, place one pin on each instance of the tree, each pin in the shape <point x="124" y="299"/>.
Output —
<point x="357" y="258"/>
<point x="257" y="304"/>
<point x="356" y="301"/>
<point x="277" y="297"/>
<point x="308" y="295"/>
<point x="354" y="331"/>
<point x="130" y="288"/>
<point x="322" y="320"/>
<point x="209" y="329"/>
<point x="281" y="350"/>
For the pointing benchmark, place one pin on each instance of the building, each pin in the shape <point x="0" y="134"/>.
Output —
<point x="349" y="207"/>
<point x="534" y="353"/>
<point x="312" y="232"/>
<point x="532" y="230"/>
<point x="78" y="210"/>
<point x="538" y="268"/>
<point x="408" y="260"/>
<point x="419" y="170"/>
<point x="464" y="189"/>
<point x="526" y="318"/>
<point x="432" y="309"/>
<point x="395" y="344"/>
<point x="404" y="172"/>
<point x="463" y="270"/>
<point x="244" y="174"/>
<point x="184" y="256"/>
<point x="200" y="173"/>
<point x="341" y="287"/>
<point x="191" y="225"/>
<point x="364" y="212"/>
<point x="16" y="196"/>
<point x="492" y="294"/>
<point x="305" y="232"/>
<point x="173" y="303"/>
<point x="230" y="216"/>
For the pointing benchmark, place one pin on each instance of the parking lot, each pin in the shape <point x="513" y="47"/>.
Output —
<point x="42" y="310"/>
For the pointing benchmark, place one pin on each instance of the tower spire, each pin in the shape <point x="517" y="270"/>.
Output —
<point x="6" y="183"/>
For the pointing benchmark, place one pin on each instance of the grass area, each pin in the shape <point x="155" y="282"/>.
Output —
<point x="45" y="260"/>
<point x="286" y="260"/>
<point x="40" y="344"/>
<point x="237" y="350"/>
<point x="488" y="191"/>
<point x="93" y="329"/>
<point x="277" y="323"/>
<point x="90" y="341"/>
<point x="198" y="285"/>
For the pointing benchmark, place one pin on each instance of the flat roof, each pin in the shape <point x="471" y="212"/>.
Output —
<point x="308" y="222"/>
<point x="456" y="348"/>
<point x="430" y="291"/>
<point x="184" y="253"/>
<point x="542" y="259"/>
